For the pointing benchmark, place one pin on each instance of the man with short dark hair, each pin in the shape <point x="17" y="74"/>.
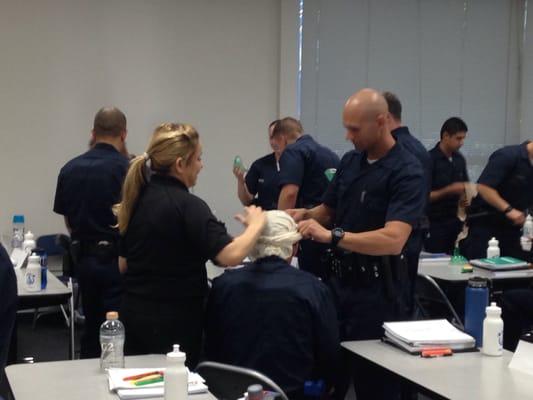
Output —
<point x="402" y="135"/>
<point x="303" y="182"/>
<point x="449" y="175"/>
<point x="87" y="188"/>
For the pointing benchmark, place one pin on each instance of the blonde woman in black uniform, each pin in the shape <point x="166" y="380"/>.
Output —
<point x="167" y="235"/>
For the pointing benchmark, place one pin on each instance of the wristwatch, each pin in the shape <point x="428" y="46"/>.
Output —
<point x="336" y="236"/>
<point x="508" y="209"/>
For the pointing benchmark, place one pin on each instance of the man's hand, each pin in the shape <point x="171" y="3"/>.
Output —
<point x="457" y="188"/>
<point x="298" y="214"/>
<point x="310" y="229"/>
<point x="239" y="174"/>
<point x="517" y="217"/>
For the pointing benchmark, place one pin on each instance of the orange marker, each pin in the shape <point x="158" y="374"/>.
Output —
<point x="436" y="352"/>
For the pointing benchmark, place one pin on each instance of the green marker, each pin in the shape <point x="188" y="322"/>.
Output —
<point x="237" y="163"/>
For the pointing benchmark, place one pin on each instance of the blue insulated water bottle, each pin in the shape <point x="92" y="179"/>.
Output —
<point x="476" y="301"/>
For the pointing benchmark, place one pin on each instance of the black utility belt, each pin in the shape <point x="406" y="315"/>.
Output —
<point x="99" y="248"/>
<point x="353" y="268"/>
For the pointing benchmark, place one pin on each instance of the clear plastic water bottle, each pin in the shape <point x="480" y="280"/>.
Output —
<point x="112" y="336"/>
<point x="18" y="232"/>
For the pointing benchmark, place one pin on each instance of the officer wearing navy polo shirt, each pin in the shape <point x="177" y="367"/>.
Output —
<point x="375" y="198"/>
<point x="410" y="143"/>
<point x="499" y="210"/>
<point x="260" y="185"/>
<point x="449" y="175"/>
<point x="303" y="182"/>
<point x="87" y="188"/>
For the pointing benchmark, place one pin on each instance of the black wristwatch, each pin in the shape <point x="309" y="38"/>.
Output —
<point x="336" y="236"/>
<point x="508" y="209"/>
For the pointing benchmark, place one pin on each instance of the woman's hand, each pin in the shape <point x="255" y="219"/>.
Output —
<point x="252" y="216"/>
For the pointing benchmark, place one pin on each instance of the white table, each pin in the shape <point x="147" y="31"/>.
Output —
<point x="55" y="293"/>
<point x="69" y="380"/>
<point x="463" y="376"/>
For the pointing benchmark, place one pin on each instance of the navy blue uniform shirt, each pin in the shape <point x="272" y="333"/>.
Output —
<point x="303" y="163"/>
<point x="8" y="305"/>
<point x="262" y="179"/>
<point x="276" y="319"/>
<point x="416" y="148"/>
<point x="87" y="188"/>
<point x="445" y="171"/>
<point x="510" y="172"/>
<point x="366" y="196"/>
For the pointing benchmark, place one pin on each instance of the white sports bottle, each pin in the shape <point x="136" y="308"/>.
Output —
<point x="176" y="376"/>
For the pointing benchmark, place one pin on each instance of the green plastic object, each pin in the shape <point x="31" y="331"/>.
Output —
<point x="457" y="258"/>
<point x="237" y="163"/>
<point x="330" y="173"/>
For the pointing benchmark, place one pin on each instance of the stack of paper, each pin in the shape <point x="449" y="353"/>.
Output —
<point x="415" y="336"/>
<point x="127" y="390"/>
<point x="500" y="263"/>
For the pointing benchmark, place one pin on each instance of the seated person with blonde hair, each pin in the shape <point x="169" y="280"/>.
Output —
<point x="272" y="317"/>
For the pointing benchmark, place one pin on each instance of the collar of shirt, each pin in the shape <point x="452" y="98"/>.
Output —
<point x="169" y="180"/>
<point x="389" y="159"/>
<point x="400" y="131"/>
<point x="270" y="264"/>
<point x="105" y="146"/>
<point x="441" y="154"/>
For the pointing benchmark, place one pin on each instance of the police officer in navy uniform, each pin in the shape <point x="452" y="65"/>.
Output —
<point x="374" y="200"/>
<point x="260" y="185"/>
<point x="449" y="175"/>
<point x="87" y="188"/>
<point x="8" y="311"/>
<point x="416" y="148"/>
<point x="303" y="182"/>
<point x="272" y="317"/>
<point x="499" y="210"/>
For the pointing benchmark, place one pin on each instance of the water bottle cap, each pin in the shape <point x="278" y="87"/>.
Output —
<point x="493" y="309"/>
<point x="493" y="242"/>
<point x="477" y="282"/>
<point x="111" y="315"/>
<point x="176" y="353"/>
<point x="254" y="389"/>
<point x="529" y="218"/>
<point x="29" y="236"/>
<point x="18" y="219"/>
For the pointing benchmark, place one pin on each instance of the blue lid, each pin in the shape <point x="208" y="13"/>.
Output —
<point x="18" y="219"/>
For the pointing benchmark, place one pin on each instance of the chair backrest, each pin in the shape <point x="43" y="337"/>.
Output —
<point x="229" y="382"/>
<point x="50" y="244"/>
<point x="433" y="303"/>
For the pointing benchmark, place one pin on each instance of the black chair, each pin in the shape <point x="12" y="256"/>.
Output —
<point x="431" y="302"/>
<point x="229" y="382"/>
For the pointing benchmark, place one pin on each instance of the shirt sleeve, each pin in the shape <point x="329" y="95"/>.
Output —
<point x="291" y="165"/>
<point x="205" y="229"/>
<point x="252" y="177"/>
<point x="408" y="196"/>
<point x="59" y="204"/>
<point x="497" y="169"/>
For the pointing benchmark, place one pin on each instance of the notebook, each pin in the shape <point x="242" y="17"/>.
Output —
<point x="500" y="263"/>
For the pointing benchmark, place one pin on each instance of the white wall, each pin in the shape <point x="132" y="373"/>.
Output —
<point x="212" y="63"/>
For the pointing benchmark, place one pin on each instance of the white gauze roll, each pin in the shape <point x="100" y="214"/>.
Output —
<point x="278" y="236"/>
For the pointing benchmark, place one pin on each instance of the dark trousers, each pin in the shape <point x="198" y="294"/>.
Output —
<point x="479" y="234"/>
<point x="153" y="328"/>
<point x="101" y="290"/>
<point x="361" y="313"/>
<point x="517" y="314"/>
<point x="442" y="235"/>
<point x="311" y="257"/>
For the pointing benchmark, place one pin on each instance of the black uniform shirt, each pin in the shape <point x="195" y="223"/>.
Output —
<point x="303" y="163"/>
<point x="87" y="188"/>
<point x="262" y="179"/>
<point x="170" y="236"/>
<point x="274" y="318"/>
<point x="510" y="173"/>
<point x="365" y="196"/>
<point x="444" y="173"/>
<point x="8" y="304"/>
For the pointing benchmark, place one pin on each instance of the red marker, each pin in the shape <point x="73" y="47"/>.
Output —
<point x="135" y="377"/>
